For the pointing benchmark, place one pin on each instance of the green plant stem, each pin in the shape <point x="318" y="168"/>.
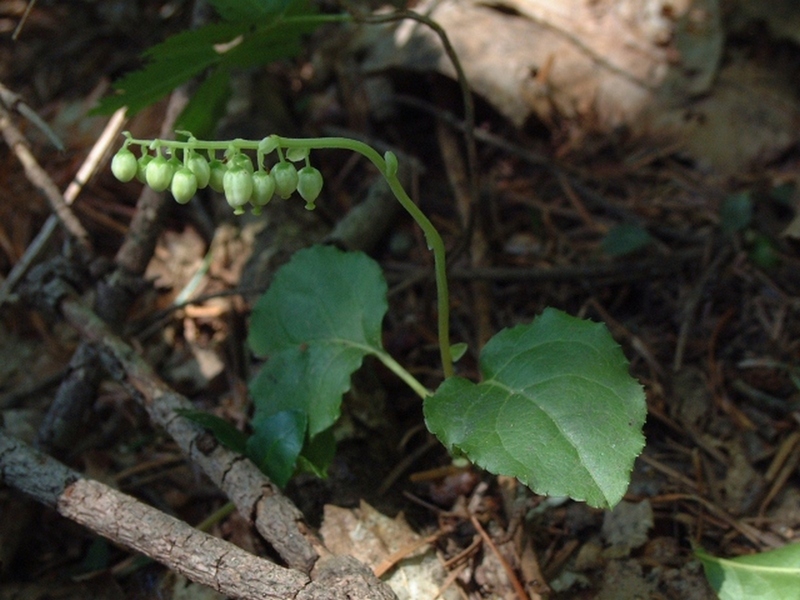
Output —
<point x="398" y="369"/>
<point x="432" y="237"/>
<point x="216" y="517"/>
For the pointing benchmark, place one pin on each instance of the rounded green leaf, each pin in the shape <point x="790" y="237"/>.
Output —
<point x="770" y="575"/>
<point x="276" y="443"/>
<point x="319" y="318"/>
<point x="556" y="409"/>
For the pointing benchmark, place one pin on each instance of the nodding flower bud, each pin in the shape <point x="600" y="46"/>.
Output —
<point x="142" y="163"/>
<point x="184" y="185"/>
<point x="263" y="188"/>
<point x="159" y="174"/>
<point x="217" y="171"/>
<point x="241" y="160"/>
<point x="285" y="174"/>
<point x="309" y="185"/>
<point x="238" y="186"/>
<point x="199" y="166"/>
<point x="124" y="165"/>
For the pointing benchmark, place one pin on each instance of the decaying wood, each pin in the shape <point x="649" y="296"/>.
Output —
<point x="126" y="521"/>
<point x="648" y="68"/>
<point x="603" y="61"/>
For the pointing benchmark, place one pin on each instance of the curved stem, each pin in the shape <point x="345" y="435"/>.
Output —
<point x="398" y="369"/>
<point x="432" y="237"/>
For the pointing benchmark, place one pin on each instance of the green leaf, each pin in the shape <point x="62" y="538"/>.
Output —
<point x="273" y="41"/>
<point x="556" y="408"/>
<point x="457" y="351"/>
<point x="735" y="213"/>
<point x="225" y="432"/>
<point x="276" y="443"/>
<point x="171" y="63"/>
<point x="625" y="239"/>
<point x="317" y="455"/>
<point x="207" y="105"/>
<point x="319" y="318"/>
<point x="772" y="575"/>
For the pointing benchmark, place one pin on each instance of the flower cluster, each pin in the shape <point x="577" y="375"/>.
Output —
<point x="186" y="170"/>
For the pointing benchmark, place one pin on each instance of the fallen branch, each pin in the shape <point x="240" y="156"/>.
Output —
<point x="275" y="517"/>
<point x="126" y="521"/>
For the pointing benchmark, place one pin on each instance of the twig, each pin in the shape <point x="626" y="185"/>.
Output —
<point x="276" y="518"/>
<point x="18" y="28"/>
<point x="124" y="520"/>
<point x="390" y="561"/>
<point x="14" y="102"/>
<point x="39" y="178"/>
<point x="84" y="174"/>
<point x="512" y="577"/>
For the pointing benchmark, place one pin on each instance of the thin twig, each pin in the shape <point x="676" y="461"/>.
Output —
<point x="88" y="168"/>
<point x="23" y="20"/>
<point x="278" y="520"/>
<point x="14" y="102"/>
<point x="39" y="178"/>
<point x="512" y="576"/>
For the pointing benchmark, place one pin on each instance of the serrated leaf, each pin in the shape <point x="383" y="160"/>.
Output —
<point x="171" y="63"/>
<point x="771" y="575"/>
<point x="225" y="432"/>
<point x="556" y="408"/>
<point x="276" y="443"/>
<point x="319" y="318"/>
<point x="207" y="105"/>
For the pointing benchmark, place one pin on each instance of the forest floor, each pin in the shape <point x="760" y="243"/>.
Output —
<point x="700" y="288"/>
